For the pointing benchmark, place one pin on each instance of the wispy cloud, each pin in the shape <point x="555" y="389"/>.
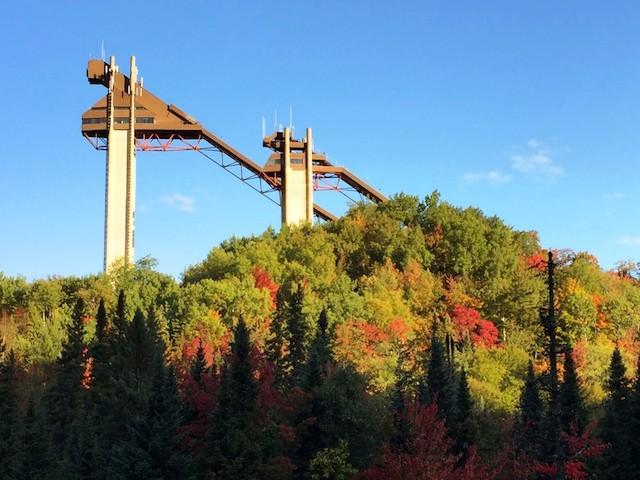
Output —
<point x="492" y="176"/>
<point x="616" y="196"/>
<point x="181" y="202"/>
<point x="629" y="240"/>
<point x="536" y="160"/>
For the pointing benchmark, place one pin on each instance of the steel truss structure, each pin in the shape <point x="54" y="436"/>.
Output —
<point x="162" y="127"/>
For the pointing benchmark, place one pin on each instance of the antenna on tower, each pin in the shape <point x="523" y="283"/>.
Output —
<point x="264" y="127"/>
<point x="290" y="117"/>
<point x="102" y="51"/>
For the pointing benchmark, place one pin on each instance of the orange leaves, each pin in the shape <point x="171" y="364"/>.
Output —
<point x="264" y="281"/>
<point x="537" y="261"/>
<point x="399" y="329"/>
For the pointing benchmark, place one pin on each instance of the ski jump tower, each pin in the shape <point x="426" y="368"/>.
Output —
<point x="129" y="118"/>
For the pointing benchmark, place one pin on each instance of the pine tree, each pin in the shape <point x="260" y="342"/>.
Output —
<point x="573" y="415"/>
<point x="319" y="355"/>
<point x="614" y="426"/>
<point x="528" y="432"/>
<point x="233" y="439"/>
<point x="8" y="414"/>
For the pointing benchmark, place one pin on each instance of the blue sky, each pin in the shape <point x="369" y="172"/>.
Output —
<point x="528" y="110"/>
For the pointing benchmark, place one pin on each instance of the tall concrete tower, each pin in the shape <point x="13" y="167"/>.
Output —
<point x="293" y="166"/>
<point x="120" y="197"/>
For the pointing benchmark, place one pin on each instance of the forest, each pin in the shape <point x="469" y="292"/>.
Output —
<point x="408" y="340"/>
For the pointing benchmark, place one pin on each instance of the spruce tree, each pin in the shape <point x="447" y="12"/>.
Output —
<point x="464" y="429"/>
<point x="101" y="322"/>
<point x="297" y="334"/>
<point x="120" y="320"/>
<point x="552" y="444"/>
<point x="122" y="430"/>
<point x="528" y="431"/>
<point x="36" y="462"/>
<point x="63" y="399"/>
<point x="614" y="427"/>
<point x="573" y="416"/>
<point x="287" y="347"/>
<point x="402" y="429"/>
<point x="9" y="446"/>
<point x="234" y="447"/>
<point x="633" y="425"/>
<point x="437" y="387"/>
<point x="198" y="365"/>
<point x="319" y="355"/>
<point x="164" y="415"/>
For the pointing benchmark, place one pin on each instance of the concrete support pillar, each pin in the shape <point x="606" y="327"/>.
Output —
<point x="120" y="181"/>
<point x="297" y="189"/>
<point x="131" y="165"/>
<point x="308" y="165"/>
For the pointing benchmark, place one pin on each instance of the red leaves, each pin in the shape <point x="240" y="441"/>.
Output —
<point x="263" y="280"/>
<point x="580" y="447"/>
<point x="427" y="454"/>
<point x="537" y="261"/>
<point x="468" y="323"/>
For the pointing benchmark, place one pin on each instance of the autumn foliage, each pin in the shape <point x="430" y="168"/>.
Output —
<point x="469" y="324"/>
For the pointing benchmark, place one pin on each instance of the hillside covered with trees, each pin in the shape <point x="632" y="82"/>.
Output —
<point x="408" y="340"/>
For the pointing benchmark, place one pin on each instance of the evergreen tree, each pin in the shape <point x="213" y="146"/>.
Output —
<point x="614" y="427"/>
<point x="63" y="399"/>
<point x="8" y="414"/>
<point x="297" y="333"/>
<point x="164" y="415"/>
<point x="346" y="411"/>
<point x="633" y="424"/>
<point x="464" y="430"/>
<point x="287" y="347"/>
<point x="101" y="322"/>
<point x="529" y="435"/>
<point x="120" y="415"/>
<point x="572" y="410"/>
<point x="552" y="444"/>
<point x="402" y="430"/>
<point x="120" y="320"/>
<point x="233" y="440"/>
<point x="438" y="385"/>
<point x="198" y="365"/>
<point x="36" y="462"/>
<point x="319" y="355"/>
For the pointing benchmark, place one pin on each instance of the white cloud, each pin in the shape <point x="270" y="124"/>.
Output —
<point x="492" y="176"/>
<point x="616" y="196"/>
<point x="184" y="203"/>
<point x="536" y="161"/>
<point x="629" y="240"/>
